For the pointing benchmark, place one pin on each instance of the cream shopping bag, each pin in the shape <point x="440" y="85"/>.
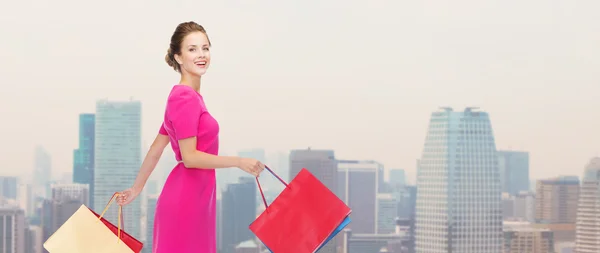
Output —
<point x="87" y="232"/>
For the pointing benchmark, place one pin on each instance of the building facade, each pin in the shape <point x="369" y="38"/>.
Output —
<point x="117" y="158"/>
<point x="458" y="186"/>
<point x="588" y="211"/>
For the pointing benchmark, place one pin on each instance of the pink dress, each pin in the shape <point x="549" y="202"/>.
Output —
<point x="185" y="218"/>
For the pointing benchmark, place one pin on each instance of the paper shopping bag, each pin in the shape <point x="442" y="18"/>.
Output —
<point x="87" y="232"/>
<point x="301" y="219"/>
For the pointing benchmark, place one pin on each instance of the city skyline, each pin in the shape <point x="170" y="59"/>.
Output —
<point x="476" y="175"/>
<point x="59" y="173"/>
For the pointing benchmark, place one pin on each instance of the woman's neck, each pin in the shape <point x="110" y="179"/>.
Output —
<point x="193" y="82"/>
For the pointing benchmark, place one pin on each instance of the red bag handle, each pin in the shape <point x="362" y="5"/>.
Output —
<point x="260" y="188"/>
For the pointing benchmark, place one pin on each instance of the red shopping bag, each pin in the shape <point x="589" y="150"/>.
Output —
<point x="126" y="238"/>
<point x="301" y="218"/>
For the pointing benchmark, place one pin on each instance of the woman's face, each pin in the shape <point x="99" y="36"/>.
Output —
<point x="194" y="58"/>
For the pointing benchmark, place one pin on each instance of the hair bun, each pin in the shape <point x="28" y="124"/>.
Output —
<point x="169" y="58"/>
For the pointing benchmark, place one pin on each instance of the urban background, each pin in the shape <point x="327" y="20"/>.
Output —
<point x="468" y="197"/>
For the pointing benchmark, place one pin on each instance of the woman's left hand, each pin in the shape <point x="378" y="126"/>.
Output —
<point x="127" y="196"/>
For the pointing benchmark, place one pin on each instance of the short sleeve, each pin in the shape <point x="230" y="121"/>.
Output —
<point x="162" y="129"/>
<point x="183" y="111"/>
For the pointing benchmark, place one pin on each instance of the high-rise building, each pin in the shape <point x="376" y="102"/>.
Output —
<point x="407" y="200"/>
<point x="42" y="172"/>
<point x="397" y="178"/>
<point x="117" y="157"/>
<point x="239" y="211"/>
<point x="323" y="165"/>
<point x="521" y="237"/>
<point x="150" y="213"/>
<point x="280" y="163"/>
<point x="556" y="200"/>
<point x="8" y="187"/>
<point x="588" y="213"/>
<point x="358" y="184"/>
<point x="387" y="208"/>
<point x="525" y="206"/>
<point x="12" y="229"/>
<point x="514" y="171"/>
<point x="26" y="198"/>
<point x="33" y="239"/>
<point x="83" y="157"/>
<point x="66" y="200"/>
<point x="556" y="207"/>
<point x="458" y="186"/>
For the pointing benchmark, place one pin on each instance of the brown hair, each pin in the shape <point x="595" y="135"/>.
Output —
<point x="177" y="38"/>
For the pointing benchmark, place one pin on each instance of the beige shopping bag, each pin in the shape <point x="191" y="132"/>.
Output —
<point x="87" y="232"/>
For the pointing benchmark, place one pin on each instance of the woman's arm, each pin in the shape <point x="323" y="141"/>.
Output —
<point x="193" y="158"/>
<point x="154" y="154"/>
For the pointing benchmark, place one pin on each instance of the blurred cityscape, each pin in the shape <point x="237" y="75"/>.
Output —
<point x="469" y="197"/>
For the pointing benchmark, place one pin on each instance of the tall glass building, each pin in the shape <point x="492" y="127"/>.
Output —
<point x="118" y="158"/>
<point x="588" y="212"/>
<point x="458" y="206"/>
<point x="83" y="157"/>
<point x="514" y="171"/>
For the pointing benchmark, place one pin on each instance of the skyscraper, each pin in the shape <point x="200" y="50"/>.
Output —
<point x="514" y="171"/>
<point x="150" y="214"/>
<point x="117" y="158"/>
<point x="387" y="210"/>
<point x="556" y="200"/>
<point x="358" y="184"/>
<point x="42" y="172"/>
<point x="238" y="210"/>
<point x="83" y="157"/>
<point x="12" y="229"/>
<point x="8" y="187"/>
<point x="320" y="163"/>
<point x="588" y="214"/>
<point x="66" y="199"/>
<point x="458" y="206"/>
<point x="397" y="178"/>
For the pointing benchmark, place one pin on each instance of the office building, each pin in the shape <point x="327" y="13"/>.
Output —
<point x="514" y="171"/>
<point x="12" y="228"/>
<point x="358" y="183"/>
<point x="556" y="200"/>
<point x="239" y="211"/>
<point x="458" y="186"/>
<point x="588" y="211"/>
<point x="117" y="157"/>
<point x="83" y="156"/>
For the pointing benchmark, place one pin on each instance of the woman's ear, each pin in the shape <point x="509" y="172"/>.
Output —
<point x="178" y="59"/>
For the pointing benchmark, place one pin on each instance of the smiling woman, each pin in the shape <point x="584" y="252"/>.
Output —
<point x="185" y="217"/>
<point x="196" y="40"/>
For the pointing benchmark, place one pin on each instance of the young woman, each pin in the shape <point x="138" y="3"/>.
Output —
<point x="185" y="219"/>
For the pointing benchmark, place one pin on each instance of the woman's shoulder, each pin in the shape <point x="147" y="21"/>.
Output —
<point x="183" y="93"/>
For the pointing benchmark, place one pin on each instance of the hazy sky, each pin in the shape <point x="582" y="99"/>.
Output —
<point x="360" y="77"/>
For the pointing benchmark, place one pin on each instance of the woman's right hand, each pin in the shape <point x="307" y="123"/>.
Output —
<point x="251" y="166"/>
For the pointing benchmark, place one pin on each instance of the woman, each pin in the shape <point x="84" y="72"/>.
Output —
<point x="185" y="220"/>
